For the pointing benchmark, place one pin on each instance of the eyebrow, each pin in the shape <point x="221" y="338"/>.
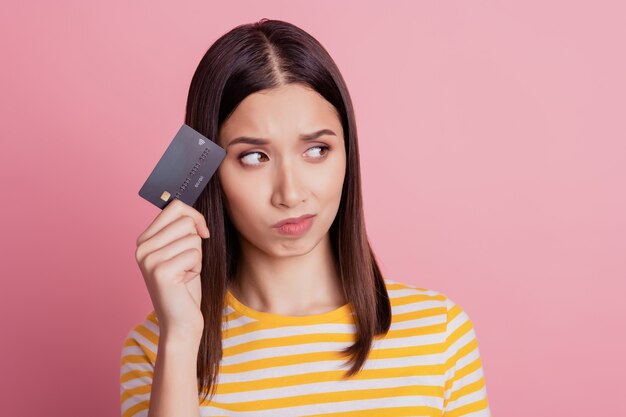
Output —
<point x="260" y="141"/>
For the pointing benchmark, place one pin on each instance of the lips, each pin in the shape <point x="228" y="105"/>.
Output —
<point x="293" y="220"/>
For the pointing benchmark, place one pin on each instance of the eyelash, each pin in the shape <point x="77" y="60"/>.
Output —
<point x="252" y="153"/>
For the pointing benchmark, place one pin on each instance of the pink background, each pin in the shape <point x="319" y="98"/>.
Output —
<point x="494" y="163"/>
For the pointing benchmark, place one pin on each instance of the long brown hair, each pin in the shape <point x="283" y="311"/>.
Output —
<point x="249" y="58"/>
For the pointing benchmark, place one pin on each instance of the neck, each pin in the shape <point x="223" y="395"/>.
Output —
<point x="296" y="285"/>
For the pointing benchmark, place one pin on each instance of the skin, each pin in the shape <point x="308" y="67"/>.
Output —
<point x="288" y="177"/>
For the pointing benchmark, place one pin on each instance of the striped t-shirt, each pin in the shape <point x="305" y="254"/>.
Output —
<point x="428" y="364"/>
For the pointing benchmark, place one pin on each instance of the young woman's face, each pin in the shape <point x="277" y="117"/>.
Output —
<point x="285" y="176"/>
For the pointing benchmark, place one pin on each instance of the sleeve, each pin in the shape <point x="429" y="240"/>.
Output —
<point x="137" y="368"/>
<point x="465" y="393"/>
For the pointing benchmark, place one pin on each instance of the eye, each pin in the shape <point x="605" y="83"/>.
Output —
<point x="324" y="148"/>
<point x="249" y="158"/>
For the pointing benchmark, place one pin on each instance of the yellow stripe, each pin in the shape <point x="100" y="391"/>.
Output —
<point x="135" y="373"/>
<point x="148" y="334"/>
<point x="454" y="311"/>
<point x="288" y="341"/>
<point x="152" y="317"/>
<point x="470" y="346"/>
<point x="468" y="408"/>
<point x="233" y="315"/>
<point x="140" y="390"/>
<point x="401" y="352"/>
<point x="336" y="375"/>
<point x="387" y="412"/>
<point x="417" y="331"/>
<point x="131" y="411"/>
<point x="403" y="286"/>
<point x="293" y="340"/>
<point x="138" y="358"/>
<point x="458" y="333"/>
<point x="419" y="314"/>
<point x="415" y="298"/>
<point x="323" y="398"/>
<point x="257" y="325"/>
<point x="134" y="359"/>
<point x="467" y="389"/>
<point x="460" y="373"/>
<point x="310" y="357"/>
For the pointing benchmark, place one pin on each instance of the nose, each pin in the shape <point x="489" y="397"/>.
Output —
<point x="288" y="185"/>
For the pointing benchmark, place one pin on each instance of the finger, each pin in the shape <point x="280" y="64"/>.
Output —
<point x="175" y="268"/>
<point x="175" y="209"/>
<point x="173" y="249"/>
<point x="178" y="229"/>
<point x="178" y="208"/>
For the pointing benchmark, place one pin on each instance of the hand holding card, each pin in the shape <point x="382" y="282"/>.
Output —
<point x="184" y="169"/>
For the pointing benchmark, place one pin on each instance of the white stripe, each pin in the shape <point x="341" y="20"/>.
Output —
<point x="401" y="342"/>
<point x="457" y="322"/>
<point x="332" y="407"/>
<point x="459" y="344"/>
<point x="481" y="413"/>
<point x="286" y="331"/>
<point x="142" y="413"/>
<point x="132" y="350"/>
<point x="139" y="338"/>
<point x="421" y="322"/>
<point x="321" y="388"/>
<point x="142" y="366"/>
<point x="240" y="321"/>
<point x="411" y="291"/>
<point x="259" y="335"/>
<point x="134" y="400"/>
<point x="466" y="399"/>
<point x="325" y="366"/>
<point x="470" y="357"/>
<point x="410" y="341"/>
<point x="150" y="325"/>
<point x="137" y="382"/>
<point x="276" y="352"/>
<point x="377" y="344"/>
<point x="466" y="380"/>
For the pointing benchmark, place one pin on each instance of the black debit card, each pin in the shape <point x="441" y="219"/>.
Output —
<point x="184" y="169"/>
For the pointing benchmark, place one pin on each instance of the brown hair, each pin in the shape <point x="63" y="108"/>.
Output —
<point x="249" y="58"/>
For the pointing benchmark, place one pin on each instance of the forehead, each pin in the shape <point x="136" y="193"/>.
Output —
<point x="288" y="110"/>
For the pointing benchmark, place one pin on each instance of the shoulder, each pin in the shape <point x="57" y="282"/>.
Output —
<point x="142" y="340"/>
<point x="406" y="298"/>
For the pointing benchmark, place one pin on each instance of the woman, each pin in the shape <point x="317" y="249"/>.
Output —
<point x="283" y="310"/>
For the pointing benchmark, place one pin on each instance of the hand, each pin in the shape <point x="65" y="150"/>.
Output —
<point x="169" y="255"/>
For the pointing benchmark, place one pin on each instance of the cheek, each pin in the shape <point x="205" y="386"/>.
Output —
<point x="242" y="196"/>
<point x="239" y="197"/>
<point x="328" y="182"/>
<point x="236" y="192"/>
